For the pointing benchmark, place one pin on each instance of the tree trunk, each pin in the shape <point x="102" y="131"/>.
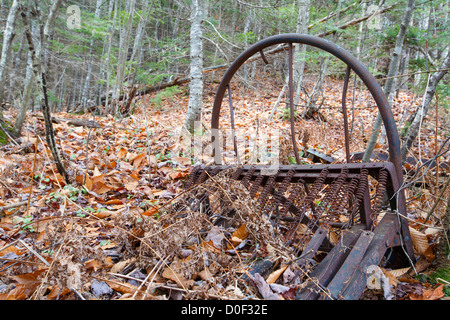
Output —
<point x="302" y="27"/>
<point x="393" y="69"/>
<point x="29" y="78"/>
<point x="42" y="89"/>
<point x="87" y="81"/>
<point x="299" y="62"/>
<point x="8" y="36"/>
<point x="27" y="91"/>
<point x="113" y="3"/>
<point x="140" y="30"/>
<point x="196" y="67"/>
<point x="123" y="53"/>
<point x="413" y="130"/>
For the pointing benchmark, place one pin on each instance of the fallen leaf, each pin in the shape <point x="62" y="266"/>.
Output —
<point x="178" y="175"/>
<point x="240" y="233"/>
<point x="183" y="283"/>
<point x="215" y="235"/>
<point x="181" y="160"/>
<point x="419" y="241"/>
<point x="56" y="292"/>
<point x="20" y="292"/>
<point x="92" y="264"/>
<point x="264" y="288"/>
<point x="137" y="160"/>
<point x="205" y="274"/>
<point x="100" y="288"/>
<point x="273" y="277"/>
<point x="122" y="153"/>
<point x="433" y="294"/>
<point x="131" y="183"/>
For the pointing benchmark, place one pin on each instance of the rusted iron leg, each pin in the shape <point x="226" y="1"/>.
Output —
<point x="365" y="212"/>
<point x="291" y="103"/>
<point x="344" y="111"/>
<point x="233" y="131"/>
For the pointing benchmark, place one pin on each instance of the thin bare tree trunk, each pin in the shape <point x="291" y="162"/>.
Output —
<point x="42" y="89"/>
<point x="413" y="130"/>
<point x="29" y="78"/>
<point x="393" y="70"/>
<point x="299" y="63"/>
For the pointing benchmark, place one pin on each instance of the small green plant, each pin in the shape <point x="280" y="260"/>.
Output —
<point x="436" y="277"/>
<point x="166" y="93"/>
<point x="443" y="274"/>
<point x="25" y="223"/>
<point x="287" y="113"/>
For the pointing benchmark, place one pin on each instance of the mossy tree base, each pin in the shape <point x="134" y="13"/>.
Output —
<point x="3" y="137"/>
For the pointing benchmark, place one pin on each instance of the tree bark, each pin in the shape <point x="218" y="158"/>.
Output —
<point x="393" y="69"/>
<point x="87" y="81"/>
<point x="123" y="53"/>
<point x="196" y="67"/>
<point x="42" y="89"/>
<point x="299" y="65"/>
<point x="413" y="130"/>
<point x="29" y="78"/>
<point x="8" y="37"/>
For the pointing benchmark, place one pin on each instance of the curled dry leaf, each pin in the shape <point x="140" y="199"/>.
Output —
<point x="273" y="277"/>
<point x="419" y="240"/>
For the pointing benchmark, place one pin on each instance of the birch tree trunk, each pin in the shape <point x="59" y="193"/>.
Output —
<point x="8" y="37"/>
<point x="393" y="70"/>
<point x="123" y="53"/>
<point x="27" y="91"/>
<point x="113" y="4"/>
<point x="87" y="81"/>
<point x="196" y="67"/>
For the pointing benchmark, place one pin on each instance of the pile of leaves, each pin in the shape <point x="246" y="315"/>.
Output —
<point x="125" y="227"/>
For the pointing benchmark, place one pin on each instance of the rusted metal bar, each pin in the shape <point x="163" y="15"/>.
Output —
<point x="263" y="56"/>
<point x="344" y="112"/>
<point x="385" y="235"/>
<point x="291" y="103"/>
<point x="325" y="271"/>
<point x="313" y="245"/>
<point x="233" y="131"/>
<point x="351" y="264"/>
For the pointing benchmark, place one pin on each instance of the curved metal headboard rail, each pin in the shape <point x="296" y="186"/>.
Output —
<point x="353" y="63"/>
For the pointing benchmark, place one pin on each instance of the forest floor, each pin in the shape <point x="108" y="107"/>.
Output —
<point x="113" y="234"/>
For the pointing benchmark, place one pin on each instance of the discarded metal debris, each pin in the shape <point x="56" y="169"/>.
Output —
<point x="323" y="211"/>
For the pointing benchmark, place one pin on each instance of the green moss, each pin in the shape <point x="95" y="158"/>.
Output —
<point x="3" y="137"/>
<point x="434" y="278"/>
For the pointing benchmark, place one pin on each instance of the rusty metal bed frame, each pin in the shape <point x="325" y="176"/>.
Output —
<point x="343" y="271"/>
